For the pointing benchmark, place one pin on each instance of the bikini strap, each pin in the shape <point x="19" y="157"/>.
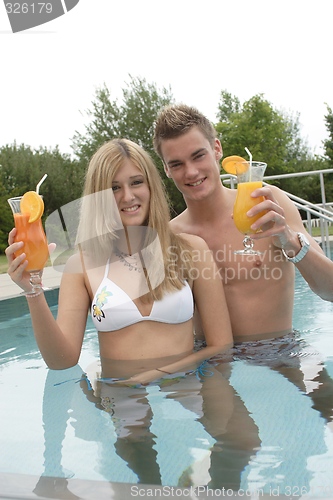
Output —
<point x="107" y="267"/>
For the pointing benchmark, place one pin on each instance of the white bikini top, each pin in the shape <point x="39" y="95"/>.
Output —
<point x="112" y="309"/>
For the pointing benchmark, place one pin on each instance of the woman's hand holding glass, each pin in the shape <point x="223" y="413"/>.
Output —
<point x="17" y="264"/>
<point x="28" y="250"/>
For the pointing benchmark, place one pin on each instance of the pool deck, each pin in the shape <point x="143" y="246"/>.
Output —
<point x="8" y="289"/>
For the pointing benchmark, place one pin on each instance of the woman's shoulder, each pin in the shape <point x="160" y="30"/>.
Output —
<point x="74" y="264"/>
<point x="81" y="262"/>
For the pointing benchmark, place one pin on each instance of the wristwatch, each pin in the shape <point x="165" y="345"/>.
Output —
<point x="305" y="245"/>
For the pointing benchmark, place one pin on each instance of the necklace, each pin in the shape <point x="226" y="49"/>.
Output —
<point x="133" y="266"/>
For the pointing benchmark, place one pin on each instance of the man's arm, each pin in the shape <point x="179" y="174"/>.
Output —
<point x="282" y="222"/>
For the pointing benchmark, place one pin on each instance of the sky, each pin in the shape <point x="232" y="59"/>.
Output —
<point x="50" y="73"/>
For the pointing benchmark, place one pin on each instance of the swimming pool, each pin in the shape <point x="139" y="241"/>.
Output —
<point x="258" y="425"/>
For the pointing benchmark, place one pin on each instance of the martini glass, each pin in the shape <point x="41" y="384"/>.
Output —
<point x="249" y="177"/>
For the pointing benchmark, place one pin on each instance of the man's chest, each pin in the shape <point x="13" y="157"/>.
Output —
<point x="235" y="268"/>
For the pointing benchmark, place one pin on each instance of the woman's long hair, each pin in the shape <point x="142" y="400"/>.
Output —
<point x="166" y="256"/>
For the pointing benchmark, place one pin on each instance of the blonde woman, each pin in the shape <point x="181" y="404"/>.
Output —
<point x="139" y="281"/>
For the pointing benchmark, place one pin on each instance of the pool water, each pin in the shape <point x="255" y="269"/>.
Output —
<point x="259" y="422"/>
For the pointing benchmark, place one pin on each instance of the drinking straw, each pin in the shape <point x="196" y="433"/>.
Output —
<point x="40" y="183"/>
<point x="248" y="152"/>
<point x="250" y="156"/>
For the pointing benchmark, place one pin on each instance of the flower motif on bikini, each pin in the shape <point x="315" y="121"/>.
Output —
<point x="101" y="300"/>
<point x="98" y="313"/>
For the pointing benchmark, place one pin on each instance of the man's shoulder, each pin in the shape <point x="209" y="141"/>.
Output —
<point x="180" y="223"/>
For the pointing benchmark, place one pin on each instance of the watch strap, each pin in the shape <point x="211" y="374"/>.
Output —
<point x="305" y="245"/>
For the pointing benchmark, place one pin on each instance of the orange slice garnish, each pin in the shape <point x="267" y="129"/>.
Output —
<point x="230" y="162"/>
<point x="32" y="203"/>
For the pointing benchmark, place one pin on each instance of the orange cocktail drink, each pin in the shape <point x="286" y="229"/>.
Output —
<point x="27" y="212"/>
<point x="243" y="203"/>
<point x="34" y="239"/>
<point x="249" y="177"/>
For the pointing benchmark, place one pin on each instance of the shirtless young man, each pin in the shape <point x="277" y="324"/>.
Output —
<point x="259" y="290"/>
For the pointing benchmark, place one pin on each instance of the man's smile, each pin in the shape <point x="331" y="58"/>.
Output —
<point x="197" y="183"/>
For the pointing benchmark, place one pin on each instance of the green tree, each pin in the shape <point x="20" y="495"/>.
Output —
<point x="18" y="173"/>
<point x="132" y="118"/>
<point x="328" y="143"/>
<point x="6" y="218"/>
<point x="18" y="168"/>
<point x="270" y="135"/>
<point x="65" y="178"/>
<point x="275" y="137"/>
<point x="227" y="107"/>
<point x="308" y="187"/>
<point x="21" y="168"/>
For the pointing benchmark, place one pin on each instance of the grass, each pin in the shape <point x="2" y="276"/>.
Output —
<point x="3" y="264"/>
<point x="316" y="231"/>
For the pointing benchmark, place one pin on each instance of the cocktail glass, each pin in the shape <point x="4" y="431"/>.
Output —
<point x="35" y="243"/>
<point x="249" y="177"/>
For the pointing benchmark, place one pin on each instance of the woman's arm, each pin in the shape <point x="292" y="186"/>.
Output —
<point x="187" y="364"/>
<point x="59" y="341"/>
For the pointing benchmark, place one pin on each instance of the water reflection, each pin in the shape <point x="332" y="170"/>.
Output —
<point x="247" y="425"/>
<point x="197" y="413"/>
